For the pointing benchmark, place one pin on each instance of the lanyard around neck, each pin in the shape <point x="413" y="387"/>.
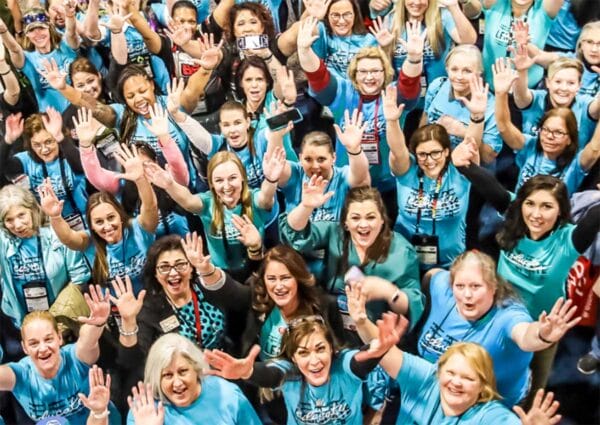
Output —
<point x="421" y="202"/>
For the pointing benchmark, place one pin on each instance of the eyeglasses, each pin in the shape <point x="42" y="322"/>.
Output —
<point x="435" y="155"/>
<point x="305" y="319"/>
<point x="591" y="43"/>
<point x="46" y="143"/>
<point x="179" y="267"/>
<point x="557" y="134"/>
<point x="336" y="16"/>
<point x="35" y="17"/>
<point x="366" y="72"/>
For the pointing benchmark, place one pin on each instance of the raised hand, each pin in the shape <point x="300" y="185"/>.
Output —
<point x="211" y="53"/>
<point x="466" y="153"/>
<point x="229" y="367"/>
<point x="49" y="202"/>
<point x="86" y="127"/>
<point x="117" y="19"/>
<point x="317" y="8"/>
<point x="192" y="246"/>
<point x="131" y="162"/>
<point x="274" y="164"/>
<point x="313" y="195"/>
<point x="453" y="126"/>
<point x="520" y="30"/>
<point x="381" y="32"/>
<point x="159" y="121"/>
<point x="179" y="34"/>
<point x="477" y="104"/>
<point x="174" y="91"/>
<point x="285" y="79"/>
<point x="157" y="175"/>
<point x="99" y="305"/>
<point x="357" y="300"/>
<point x="99" y="397"/>
<point x="249" y="234"/>
<point x="542" y="412"/>
<point x="128" y="305"/>
<point x="380" y="5"/>
<point x="14" y="128"/>
<point x="553" y="326"/>
<point x="504" y="75"/>
<point x="306" y="35"/>
<point x="145" y="412"/>
<point x="391" y="328"/>
<point x="391" y="110"/>
<point x="354" y="127"/>
<point x="521" y="57"/>
<point x="415" y="40"/>
<point x="53" y="123"/>
<point x="56" y="77"/>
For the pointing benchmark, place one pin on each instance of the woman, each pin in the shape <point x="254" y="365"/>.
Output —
<point x="588" y="52"/>
<point x="50" y="156"/>
<point x="319" y="383"/>
<point x="116" y="244"/>
<point x="370" y="72"/>
<point x="472" y="303"/>
<point x="42" y="42"/>
<point x="555" y="151"/>
<point x="176" y="376"/>
<point x="47" y="382"/>
<point x="445" y="24"/>
<point x="35" y="265"/>
<point x="364" y="239"/>
<point x="462" y="104"/>
<point x="229" y="194"/>
<point x="538" y="244"/>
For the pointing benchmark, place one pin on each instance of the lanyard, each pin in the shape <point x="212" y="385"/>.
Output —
<point x="197" y="317"/>
<point x="40" y="254"/>
<point x="65" y="183"/>
<point x="375" y="118"/>
<point x="535" y="167"/>
<point x="421" y="201"/>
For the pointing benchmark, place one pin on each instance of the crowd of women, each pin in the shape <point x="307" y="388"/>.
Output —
<point x="316" y="212"/>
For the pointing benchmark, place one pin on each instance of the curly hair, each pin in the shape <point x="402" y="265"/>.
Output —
<point x="261" y="12"/>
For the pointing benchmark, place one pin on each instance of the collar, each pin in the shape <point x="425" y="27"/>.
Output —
<point x="366" y="98"/>
<point x="451" y="96"/>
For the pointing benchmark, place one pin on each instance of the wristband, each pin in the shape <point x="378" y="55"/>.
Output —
<point x="132" y="333"/>
<point x="100" y="415"/>
<point x="477" y="121"/>
<point x="395" y="297"/>
<point x="271" y="181"/>
<point x="288" y="104"/>
<point x="210" y="272"/>
<point x="268" y="58"/>
<point x="541" y="338"/>
<point x="355" y="153"/>
<point x="255" y="251"/>
<point x="116" y="32"/>
<point x="413" y="61"/>
<point x="5" y="73"/>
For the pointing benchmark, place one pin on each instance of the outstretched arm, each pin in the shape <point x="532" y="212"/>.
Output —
<point x="180" y="194"/>
<point x="504" y="78"/>
<point x="17" y="57"/>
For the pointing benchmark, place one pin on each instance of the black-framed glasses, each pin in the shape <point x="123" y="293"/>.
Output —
<point x="179" y="267"/>
<point x="435" y="155"/>
<point x="305" y="319"/>
<point x="557" y="134"/>
<point x="35" y="17"/>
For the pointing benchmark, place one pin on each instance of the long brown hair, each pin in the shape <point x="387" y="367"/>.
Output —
<point x="568" y="117"/>
<point x="129" y="120"/>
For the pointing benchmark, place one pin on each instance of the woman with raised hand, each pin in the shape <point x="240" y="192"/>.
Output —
<point x="177" y="389"/>
<point x="229" y="194"/>
<point x="555" y="150"/>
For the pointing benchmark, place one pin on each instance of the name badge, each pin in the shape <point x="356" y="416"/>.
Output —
<point x="370" y="146"/>
<point x="348" y="322"/>
<point x="169" y="324"/>
<point x="75" y="222"/>
<point x="481" y="26"/>
<point x="22" y="181"/>
<point x="423" y="85"/>
<point x="36" y="296"/>
<point x="427" y="247"/>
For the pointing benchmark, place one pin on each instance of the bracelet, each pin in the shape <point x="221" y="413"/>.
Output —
<point x="132" y="333"/>
<point x="478" y="120"/>
<point x="288" y="104"/>
<point x="414" y="62"/>
<point x="3" y="32"/>
<point x="268" y="59"/>
<point x="116" y="32"/>
<point x="356" y="153"/>
<point x="541" y="338"/>
<point x="271" y="181"/>
<point x="210" y="272"/>
<point x="255" y="251"/>
<point x="100" y="415"/>
<point x="5" y="73"/>
<point x="395" y="297"/>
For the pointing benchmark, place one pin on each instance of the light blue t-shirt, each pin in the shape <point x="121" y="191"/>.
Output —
<point x="538" y="269"/>
<point x="46" y="96"/>
<point x="590" y="83"/>
<point x="564" y="31"/>
<point x="421" y="405"/>
<point x="338" y="183"/>
<point x="493" y="331"/>
<point x="440" y="100"/>
<point x="336" y="402"/>
<point x="531" y="162"/>
<point x="220" y="402"/>
<point x="532" y="115"/>
<point x="451" y="209"/>
<point x="27" y="265"/>
<point x="172" y="224"/>
<point x="498" y="36"/>
<point x="337" y="52"/>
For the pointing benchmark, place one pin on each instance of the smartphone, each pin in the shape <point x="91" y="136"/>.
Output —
<point x="252" y="42"/>
<point x="277" y="122"/>
<point x="353" y="275"/>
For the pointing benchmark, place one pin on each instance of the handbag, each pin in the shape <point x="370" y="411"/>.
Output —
<point x="68" y="306"/>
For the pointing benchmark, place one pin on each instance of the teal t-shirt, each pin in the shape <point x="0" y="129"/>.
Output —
<point x="271" y="335"/>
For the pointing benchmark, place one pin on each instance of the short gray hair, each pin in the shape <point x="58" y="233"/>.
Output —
<point x="162" y="353"/>
<point x="17" y="196"/>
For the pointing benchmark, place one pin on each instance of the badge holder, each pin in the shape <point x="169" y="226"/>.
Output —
<point x="427" y="247"/>
<point x="348" y="322"/>
<point x="36" y="296"/>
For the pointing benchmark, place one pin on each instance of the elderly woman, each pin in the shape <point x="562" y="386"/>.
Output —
<point x="175" y="375"/>
<point x="34" y="265"/>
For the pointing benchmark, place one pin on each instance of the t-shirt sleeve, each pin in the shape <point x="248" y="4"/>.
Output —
<point x="415" y="374"/>
<point x="513" y="315"/>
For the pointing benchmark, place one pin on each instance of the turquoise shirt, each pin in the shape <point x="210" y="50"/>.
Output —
<point x="271" y="335"/>
<point x="538" y="269"/>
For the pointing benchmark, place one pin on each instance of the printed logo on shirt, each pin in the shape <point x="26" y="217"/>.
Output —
<point x="340" y="59"/>
<point x="448" y="204"/>
<point x="133" y="268"/>
<point x="320" y="412"/>
<point x="436" y="340"/>
<point x="503" y="34"/>
<point x="27" y="268"/>
<point x="231" y="233"/>
<point x="323" y="214"/>
<point x="428" y="53"/>
<point x="63" y="407"/>
<point x="64" y="67"/>
<point x="526" y="264"/>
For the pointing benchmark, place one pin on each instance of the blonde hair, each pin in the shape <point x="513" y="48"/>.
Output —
<point x="371" y="53"/>
<point x="433" y="24"/>
<point x="468" y="50"/>
<point x="480" y="361"/>
<point x="587" y="28"/>
<point x="565" y="63"/>
<point x="163" y="352"/>
<point x="38" y="315"/>
<point x="246" y="197"/>
<point x="16" y="196"/>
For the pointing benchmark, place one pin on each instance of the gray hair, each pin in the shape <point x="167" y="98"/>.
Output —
<point x="163" y="352"/>
<point x="466" y="49"/>
<point x="17" y="196"/>
<point x="587" y="28"/>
